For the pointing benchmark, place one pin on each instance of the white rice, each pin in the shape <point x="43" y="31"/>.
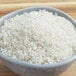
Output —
<point x="38" y="37"/>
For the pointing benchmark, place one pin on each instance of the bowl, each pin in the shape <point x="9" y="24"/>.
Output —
<point x="24" y="69"/>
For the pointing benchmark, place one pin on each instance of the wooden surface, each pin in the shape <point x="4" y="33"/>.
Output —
<point x="68" y="7"/>
<point x="7" y="6"/>
<point x="34" y="1"/>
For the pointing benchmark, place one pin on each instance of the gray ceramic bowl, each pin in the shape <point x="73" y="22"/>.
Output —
<point x="24" y="69"/>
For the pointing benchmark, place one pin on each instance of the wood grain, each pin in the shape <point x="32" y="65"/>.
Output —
<point x="69" y="7"/>
<point x="6" y="7"/>
<point x="34" y="1"/>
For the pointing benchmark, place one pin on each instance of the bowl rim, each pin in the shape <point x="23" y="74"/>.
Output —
<point x="31" y="65"/>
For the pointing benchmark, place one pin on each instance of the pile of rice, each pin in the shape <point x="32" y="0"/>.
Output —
<point x="38" y="37"/>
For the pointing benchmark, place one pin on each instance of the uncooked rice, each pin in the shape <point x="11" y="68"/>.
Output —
<point x="38" y="37"/>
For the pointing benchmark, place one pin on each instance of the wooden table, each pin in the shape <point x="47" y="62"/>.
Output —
<point x="6" y="6"/>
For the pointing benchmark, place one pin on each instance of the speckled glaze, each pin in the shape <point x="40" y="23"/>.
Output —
<point x="24" y="69"/>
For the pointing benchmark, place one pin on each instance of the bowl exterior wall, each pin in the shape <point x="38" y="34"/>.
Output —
<point x="26" y="71"/>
